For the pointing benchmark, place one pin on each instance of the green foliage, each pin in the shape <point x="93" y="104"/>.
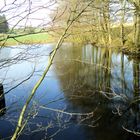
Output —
<point x="40" y="38"/>
<point x="3" y="24"/>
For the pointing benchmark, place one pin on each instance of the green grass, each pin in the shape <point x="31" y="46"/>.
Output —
<point x="40" y="38"/>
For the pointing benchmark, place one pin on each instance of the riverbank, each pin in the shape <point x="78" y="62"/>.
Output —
<point x="131" y="51"/>
<point x="44" y="38"/>
<point x="15" y="39"/>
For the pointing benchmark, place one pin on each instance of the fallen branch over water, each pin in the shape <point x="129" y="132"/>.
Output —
<point x="131" y="131"/>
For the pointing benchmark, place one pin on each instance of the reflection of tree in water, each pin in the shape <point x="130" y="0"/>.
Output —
<point x="2" y="100"/>
<point x="82" y="78"/>
<point x="136" y="80"/>
<point x="85" y="73"/>
<point x="80" y="73"/>
<point x="134" y="123"/>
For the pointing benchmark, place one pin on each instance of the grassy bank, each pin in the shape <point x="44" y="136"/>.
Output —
<point x="39" y="38"/>
<point x="84" y="35"/>
<point x="78" y="34"/>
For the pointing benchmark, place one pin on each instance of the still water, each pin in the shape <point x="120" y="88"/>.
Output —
<point x="89" y="93"/>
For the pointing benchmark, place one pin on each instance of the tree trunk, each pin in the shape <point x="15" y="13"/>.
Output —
<point x="123" y="4"/>
<point x="106" y="21"/>
<point x="137" y="31"/>
<point x="137" y="23"/>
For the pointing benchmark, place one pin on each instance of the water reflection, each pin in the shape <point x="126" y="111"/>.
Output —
<point x="81" y="76"/>
<point x="97" y="68"/>
<point x="88" y="71"/>
<point x="2" y="101"/>
<point x="136" y="79"/>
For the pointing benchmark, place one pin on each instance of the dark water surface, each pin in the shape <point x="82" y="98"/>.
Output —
<point x="89" y="93"/>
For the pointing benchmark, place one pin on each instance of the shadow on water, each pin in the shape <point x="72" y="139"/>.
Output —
<point x="103" y="79"/>
<point x="2" y="101"/>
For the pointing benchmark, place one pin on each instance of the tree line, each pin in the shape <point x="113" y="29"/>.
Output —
<point x="105" y="22"/>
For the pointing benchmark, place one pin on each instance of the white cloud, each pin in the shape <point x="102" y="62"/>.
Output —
<point x="26" y="12"/>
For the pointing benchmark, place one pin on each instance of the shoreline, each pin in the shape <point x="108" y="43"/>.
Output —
<point x="131" y="51"/>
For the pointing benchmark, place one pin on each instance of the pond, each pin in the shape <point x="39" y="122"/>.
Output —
<point x="89" y="93"/>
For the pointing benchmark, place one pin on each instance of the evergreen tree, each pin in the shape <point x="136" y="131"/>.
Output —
<point x="3" y="24"/>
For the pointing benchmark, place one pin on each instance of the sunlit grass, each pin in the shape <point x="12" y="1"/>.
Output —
<point x="40" y="38"/>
